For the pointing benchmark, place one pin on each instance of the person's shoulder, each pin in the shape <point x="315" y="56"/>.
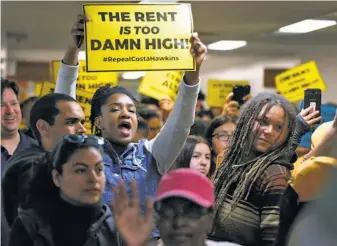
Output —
<point x="28" y="140"/>
<point x="274" y="177"/>
<point x="33" y="151"/>
<point x="278" y="170"/>
<point x="23" y="157"/>
<point x="106" y="220"/>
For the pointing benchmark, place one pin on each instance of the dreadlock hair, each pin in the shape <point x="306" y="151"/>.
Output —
<point x="237" y="167"/>
<point x="99" y="99"/>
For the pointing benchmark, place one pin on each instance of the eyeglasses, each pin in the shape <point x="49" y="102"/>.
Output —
<point x="81" y="139"/>
<point x="190" y="212"/>
<point x="222" y="136"/>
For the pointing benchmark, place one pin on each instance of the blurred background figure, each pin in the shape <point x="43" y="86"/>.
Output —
<point x="142" y="130"/>
<point x="151" y="103"/>
<point x="26" y="107"/>
<point x="153" y="120"/>
<point x="218" y="134"/>
<point x="196" y="154"/>
<point x="200" y="107"/>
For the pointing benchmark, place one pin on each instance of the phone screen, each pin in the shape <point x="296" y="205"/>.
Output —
<point x="312" y="98"/>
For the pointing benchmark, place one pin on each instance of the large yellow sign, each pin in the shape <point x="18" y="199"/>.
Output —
<point x="218" y="90"/>
<point x="138" y="37"/>
<point x="159" y="85"/>
<point x="292" y="83"/>
<point x="88" y="81"/>
<point x="82" y="97"/>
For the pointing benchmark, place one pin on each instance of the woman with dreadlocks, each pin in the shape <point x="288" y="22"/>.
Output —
<point x="254" y="173"/>
<point x="113" y="116"/>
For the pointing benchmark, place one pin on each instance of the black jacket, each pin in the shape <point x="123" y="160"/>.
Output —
<point x="30" y="229"/>
<point x="15" y="180"/>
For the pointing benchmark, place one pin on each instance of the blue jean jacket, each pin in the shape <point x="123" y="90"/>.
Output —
<point x="135" y="163"/>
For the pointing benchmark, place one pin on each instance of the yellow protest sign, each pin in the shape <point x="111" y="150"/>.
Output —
<point x="292" y="83"/>
<point x="159" y="85"/>
<point x="218" y="90"/>
<point x="37" y="89"/>
<point x="82" y="97"/>
<point x="88" y="81"/>
<point x="138" y="37"/>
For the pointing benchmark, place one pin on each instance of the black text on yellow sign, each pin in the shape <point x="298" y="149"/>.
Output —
<point x="138" y="37"/>
<point x="161" y="85"/>
<point x="82" y="97"/>
<point x="293" y="82"/>
<point x="88" y="81"/>
<point x="218" y="91"/>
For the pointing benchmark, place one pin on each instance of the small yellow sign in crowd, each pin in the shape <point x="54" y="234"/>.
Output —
<point x="159" y="85"/>
<point x="292" y="83"/>
<point x="88" y="81"/>
<point x="218" y="90"/>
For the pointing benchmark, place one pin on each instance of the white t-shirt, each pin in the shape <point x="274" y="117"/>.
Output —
<point x="210" y="243"/>
<point x="214" y="243"/>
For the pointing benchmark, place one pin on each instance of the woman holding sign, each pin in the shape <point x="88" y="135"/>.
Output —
<point x="114" y="117"/>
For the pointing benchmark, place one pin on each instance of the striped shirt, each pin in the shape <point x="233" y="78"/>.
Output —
<point x="255" y="220"/>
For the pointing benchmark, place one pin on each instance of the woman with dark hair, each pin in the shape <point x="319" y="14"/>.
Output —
<point x="255" y="170"/>
<point x="65" y="198"/>
<point x="196" y="154"/>
<point x="254" y="173"/>
<point x="218" y="134"/>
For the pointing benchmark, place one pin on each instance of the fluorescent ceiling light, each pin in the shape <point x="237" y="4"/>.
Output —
<point x="81" y="55"/>
<point x="133" y="75"/>
<point x="227" y="45"/>
<point x="158" y="1"/>
<point x="306" y="26"/>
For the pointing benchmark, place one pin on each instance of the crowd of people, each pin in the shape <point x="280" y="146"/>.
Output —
<point x="159" y="172"/>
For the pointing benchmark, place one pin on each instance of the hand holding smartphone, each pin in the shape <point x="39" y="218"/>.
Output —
<point x="80" y="38"/>
<point x="313" y="97"/>
<point x="240" y="91"/>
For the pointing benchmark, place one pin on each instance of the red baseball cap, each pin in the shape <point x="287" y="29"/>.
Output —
<point x="186" y="183"/>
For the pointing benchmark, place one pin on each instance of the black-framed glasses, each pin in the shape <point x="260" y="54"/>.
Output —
<point x="222" y="136"/>
<point x="81" y="139"/>
<point x="190" y="212"/>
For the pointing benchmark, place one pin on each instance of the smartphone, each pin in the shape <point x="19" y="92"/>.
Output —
<point x="80" y="38"/>
<point x="313" y="97"/>
<point x="240" y="91"/>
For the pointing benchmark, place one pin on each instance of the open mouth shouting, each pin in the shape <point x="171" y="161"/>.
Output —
<point x="124" y="128"/>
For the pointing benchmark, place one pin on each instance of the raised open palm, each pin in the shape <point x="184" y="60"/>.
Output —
<point x="135" y="228"/>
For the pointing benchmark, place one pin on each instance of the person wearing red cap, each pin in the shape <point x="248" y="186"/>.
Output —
<point x="183" y="209"/>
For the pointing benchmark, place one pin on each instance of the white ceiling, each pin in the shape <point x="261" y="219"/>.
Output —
<point x="46" y="25"/>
